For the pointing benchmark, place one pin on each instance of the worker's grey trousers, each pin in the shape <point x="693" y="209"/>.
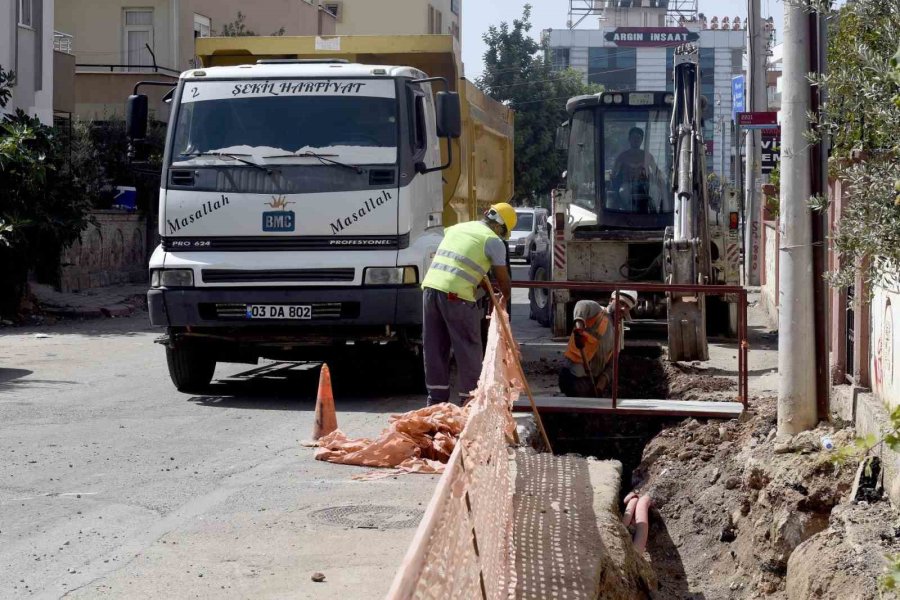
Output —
<point x="450" y="323"/>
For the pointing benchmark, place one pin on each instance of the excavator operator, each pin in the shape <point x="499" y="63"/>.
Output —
<point x="632" y="173"/>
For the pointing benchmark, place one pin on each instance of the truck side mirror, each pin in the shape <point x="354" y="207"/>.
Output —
<point x="562" y="137"/>
<point x="449" y="115"/>
<point x="136" y="116"/>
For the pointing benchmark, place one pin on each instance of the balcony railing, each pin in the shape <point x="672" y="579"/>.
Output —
<point x="124" y="68"/>
<point x="63" y="42"/>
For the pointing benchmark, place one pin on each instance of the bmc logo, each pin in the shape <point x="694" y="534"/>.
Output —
<point x="280" y="220"/>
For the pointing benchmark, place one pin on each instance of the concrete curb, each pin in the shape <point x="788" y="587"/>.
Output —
<point x="870" y="417"/>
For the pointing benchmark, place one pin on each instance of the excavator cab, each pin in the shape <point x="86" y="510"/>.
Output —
<point x="620" y="159"/>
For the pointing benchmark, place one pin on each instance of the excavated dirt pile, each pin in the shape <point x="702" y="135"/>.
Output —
<point x="738" y="514"/>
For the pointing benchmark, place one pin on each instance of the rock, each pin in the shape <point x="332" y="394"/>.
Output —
<point x="687" y="455"/>
<point x="728" y="534"/>
<point x="757" y="479"/>
<point x="318" y="577"/>
<point x="715" y="476"/>
<point x="732" y="483"/>
<point x="791" y="527"/>
<point x="783" y="448"/>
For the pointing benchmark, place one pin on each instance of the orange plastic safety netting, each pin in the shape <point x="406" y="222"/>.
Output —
<point x="463" y="547"/>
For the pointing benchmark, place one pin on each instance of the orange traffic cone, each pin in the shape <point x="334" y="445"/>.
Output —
<point x="326" y="419"/>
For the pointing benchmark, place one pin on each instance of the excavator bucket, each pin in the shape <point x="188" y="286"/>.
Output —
<point x="687" y="328"/>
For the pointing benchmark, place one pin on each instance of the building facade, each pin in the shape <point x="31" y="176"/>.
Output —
<point x="392" y="17"/>
<point x="118" y="42"/>
<point x="26" y="48"/>
<point x="633" y="49"/>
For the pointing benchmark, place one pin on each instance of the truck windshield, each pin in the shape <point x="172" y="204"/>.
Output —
<point x="619" y="164"/>
<point x="286" y="121"/>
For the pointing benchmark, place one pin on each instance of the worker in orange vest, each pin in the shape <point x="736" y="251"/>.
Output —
<point x="588" y="368"/>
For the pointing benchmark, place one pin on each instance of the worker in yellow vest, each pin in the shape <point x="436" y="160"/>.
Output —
<point x="451" y="314"/>
<point x="588" y="366"/>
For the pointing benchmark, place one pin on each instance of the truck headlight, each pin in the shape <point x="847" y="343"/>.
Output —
<point x="520" y="242"/>
<point x="390" y="276"/>
<point x="171" y="278"/>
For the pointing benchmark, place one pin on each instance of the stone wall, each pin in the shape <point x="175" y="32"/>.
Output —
<point x="769" y="273"/>
<point x="111" y="251"/>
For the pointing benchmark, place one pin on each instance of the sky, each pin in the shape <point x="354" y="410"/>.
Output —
<point x="478" y="15"/>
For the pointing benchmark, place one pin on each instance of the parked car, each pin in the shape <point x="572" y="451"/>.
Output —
<point x="530" y="234"/>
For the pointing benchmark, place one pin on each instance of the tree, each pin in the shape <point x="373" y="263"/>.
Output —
<point x="44" y="205"/>
<point x="862" y="118"/>
<point x="518" y="73"/>
<point x="238" y="28"/>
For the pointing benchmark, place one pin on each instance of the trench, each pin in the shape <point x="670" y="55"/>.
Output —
<point x="644" y="372"/>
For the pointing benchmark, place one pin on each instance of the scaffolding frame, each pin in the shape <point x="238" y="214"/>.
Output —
<point x="677" y="11"/>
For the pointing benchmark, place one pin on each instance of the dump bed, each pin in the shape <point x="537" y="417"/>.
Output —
<point x="482" y="170"/>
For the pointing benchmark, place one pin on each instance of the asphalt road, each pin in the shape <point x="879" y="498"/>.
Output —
<point x="113" y="484"/>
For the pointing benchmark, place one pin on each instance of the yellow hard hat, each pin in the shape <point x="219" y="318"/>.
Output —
<point x="504" y="214"/>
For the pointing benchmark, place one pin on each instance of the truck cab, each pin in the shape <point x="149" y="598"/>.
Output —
<point x="300" y="205"/>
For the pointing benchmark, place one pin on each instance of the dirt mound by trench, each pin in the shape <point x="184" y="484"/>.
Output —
<point x="738" y="515"/>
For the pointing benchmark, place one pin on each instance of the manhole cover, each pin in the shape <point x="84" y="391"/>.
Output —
<point x="368" y="517"/>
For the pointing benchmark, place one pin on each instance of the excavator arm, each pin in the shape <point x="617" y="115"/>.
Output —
<point x="686" y="243"/>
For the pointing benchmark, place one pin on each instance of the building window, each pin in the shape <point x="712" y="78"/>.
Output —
<point x="335" y="8"/>
<point x="614" y="68"/>
<point x="435" y="20"/>
<point x="26" y="13"/>
<point x="138" y="36"/>
<point x="559" y="58"/>
<point x="454" y="7"/>
<point x="202" y="26"/>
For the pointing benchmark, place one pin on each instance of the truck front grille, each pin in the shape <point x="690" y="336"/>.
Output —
<point x="277" y="275"/>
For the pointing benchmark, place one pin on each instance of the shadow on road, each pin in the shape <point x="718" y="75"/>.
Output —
<point x="292" y="386"/>
<point x="15" y="379"/>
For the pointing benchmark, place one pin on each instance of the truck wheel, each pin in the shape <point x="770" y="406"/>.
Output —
<point x="539" y="298"/>
<point x="189" y="368"/>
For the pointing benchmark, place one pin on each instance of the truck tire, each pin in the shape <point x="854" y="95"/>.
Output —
<point x="190" y="369"/>
<point x="539" y="299"/>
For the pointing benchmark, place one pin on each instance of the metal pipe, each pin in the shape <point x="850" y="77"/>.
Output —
<point x="584" y="286"/>
<point x="615" y="382"/>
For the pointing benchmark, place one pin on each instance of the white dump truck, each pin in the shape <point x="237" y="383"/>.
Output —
<point x="304" y="193"/>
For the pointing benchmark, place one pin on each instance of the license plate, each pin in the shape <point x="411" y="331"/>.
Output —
<point x="278" y="311"/>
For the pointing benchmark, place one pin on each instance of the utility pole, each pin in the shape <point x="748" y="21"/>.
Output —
<point x="757" y="101"/>
<point x="796" y="346"/>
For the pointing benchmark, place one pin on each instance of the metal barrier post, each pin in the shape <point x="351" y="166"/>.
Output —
<point x="615" y="385"/>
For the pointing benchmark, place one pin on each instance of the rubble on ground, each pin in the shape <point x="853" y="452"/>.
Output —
<point x="740" y="514"/>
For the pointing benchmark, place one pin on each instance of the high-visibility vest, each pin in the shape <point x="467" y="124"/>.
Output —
<point x="593" y="330"/>
<point x="460" y="263"/>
